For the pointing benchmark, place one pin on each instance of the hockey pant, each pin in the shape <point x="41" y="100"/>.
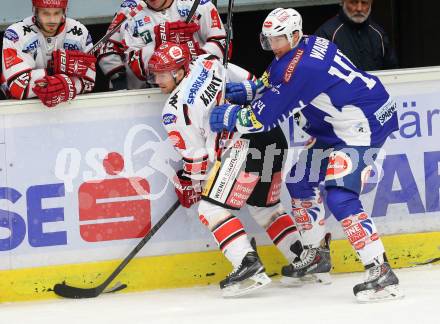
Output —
<point x="249" y="172"/>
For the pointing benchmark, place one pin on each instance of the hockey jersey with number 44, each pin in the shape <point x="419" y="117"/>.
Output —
<point x="339" y="103"/>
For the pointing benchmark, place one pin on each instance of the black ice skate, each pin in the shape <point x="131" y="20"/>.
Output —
<point x="381" y="284"/>
<point x="248" y="277"/>
<point x="314" y="265"/>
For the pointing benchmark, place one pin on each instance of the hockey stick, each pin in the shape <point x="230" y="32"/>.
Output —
<point x="228" y="41"/>
<point x="192" y="11"/>
<point x="127" y="15"/>
<point x="67" y="291"/>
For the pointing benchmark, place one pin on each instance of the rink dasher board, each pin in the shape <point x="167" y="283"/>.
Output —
<point x="53" y="241"/>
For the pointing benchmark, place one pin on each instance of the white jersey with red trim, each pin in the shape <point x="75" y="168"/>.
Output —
<point x="138" y="33"/>
<point x="186" y="113"/>
<point x="26" y="52"/>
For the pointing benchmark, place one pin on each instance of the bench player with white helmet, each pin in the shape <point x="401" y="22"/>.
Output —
<point x="225" y="170"/>
<point x="160" y="21"/>
<point x="44" y="56"/>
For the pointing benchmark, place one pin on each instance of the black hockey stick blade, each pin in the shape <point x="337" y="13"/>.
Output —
<point x="67" y="291"/>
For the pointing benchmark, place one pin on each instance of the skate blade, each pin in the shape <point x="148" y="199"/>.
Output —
<point x="388" y="293"/>
<point x="247" y="286"/>
<point x="322" y="278"/>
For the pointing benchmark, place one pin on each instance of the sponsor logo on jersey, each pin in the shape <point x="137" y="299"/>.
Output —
<point x="27" y="30"/>
<point x="265" y="79"/>
<point x="208" y="64"/>
<point x="11" y="35"/>
<point x="168" y="119"/>
<point x="177" y="140"/>
<point x="71" y="46"/>
<point x="10" y="57"/>
<point x="129" y="4"/>
<point x="202" y="2"/>
<point x="211" y="91"/>
<point x="384" y="113"/>
<point x="77" y="31"/>
<point x="173" y="100"/>
<point x="183" y="12"/>
<point x="339" y="165"/>
<point x="144" y="21"/>
<point x="198" y="83"/>
<point x="229" y="171"/>
<point x="147" y="19"/>
<point x="32" y="46"/>
<point x="215" y="18"/>
<point x="293" y="64"/>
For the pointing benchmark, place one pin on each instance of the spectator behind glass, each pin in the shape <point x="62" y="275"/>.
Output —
<point x="362" y="40"/>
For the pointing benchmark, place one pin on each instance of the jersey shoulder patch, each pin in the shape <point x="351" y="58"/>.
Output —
<point x="129" y="4"/>
<point x="19" y="29"/>
<point x="11" y="35"/>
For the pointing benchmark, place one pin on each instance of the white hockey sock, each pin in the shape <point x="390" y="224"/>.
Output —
<point x="236" y="250"/>
<point x="232" y="239"/>
<point x="279" y="226"/>
<point x="362" y="234"/>
<point x="309" y="216"/>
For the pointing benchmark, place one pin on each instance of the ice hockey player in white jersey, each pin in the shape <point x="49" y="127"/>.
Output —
<point x="223" y="170"/>
<point x="45" y="56"/>
<point x="161" y="20"/>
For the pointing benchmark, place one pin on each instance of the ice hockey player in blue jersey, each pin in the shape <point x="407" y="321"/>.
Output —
<point x="347" y="111"/>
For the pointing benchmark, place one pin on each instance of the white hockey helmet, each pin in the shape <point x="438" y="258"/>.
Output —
<point x="280" y="22"/>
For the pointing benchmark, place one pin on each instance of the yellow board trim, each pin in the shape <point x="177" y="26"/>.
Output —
<point x="197" y="269"/>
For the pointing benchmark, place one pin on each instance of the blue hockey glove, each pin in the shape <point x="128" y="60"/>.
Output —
<point x="241" y="93"/>
<point x="224" y="117"/>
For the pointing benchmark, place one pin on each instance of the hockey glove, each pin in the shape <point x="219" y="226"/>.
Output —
<point x="240" y="93"/>
<point x="53" y="90"/>
<point x="224" y="117"/>
<point x="188" y="191"/>
<point x="175" y="32"/>
<point x="73" y="63"/>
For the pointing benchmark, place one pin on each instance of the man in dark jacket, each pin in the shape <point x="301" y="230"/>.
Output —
<point x="359" y="37"/>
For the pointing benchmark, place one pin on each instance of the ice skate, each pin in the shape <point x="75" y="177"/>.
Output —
<point x="381" y="284"/>
<point x="314" y="265"/>
<point x="248" y="277"/>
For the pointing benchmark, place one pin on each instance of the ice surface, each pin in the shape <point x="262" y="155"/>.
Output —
<point x="310" y="304"/>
